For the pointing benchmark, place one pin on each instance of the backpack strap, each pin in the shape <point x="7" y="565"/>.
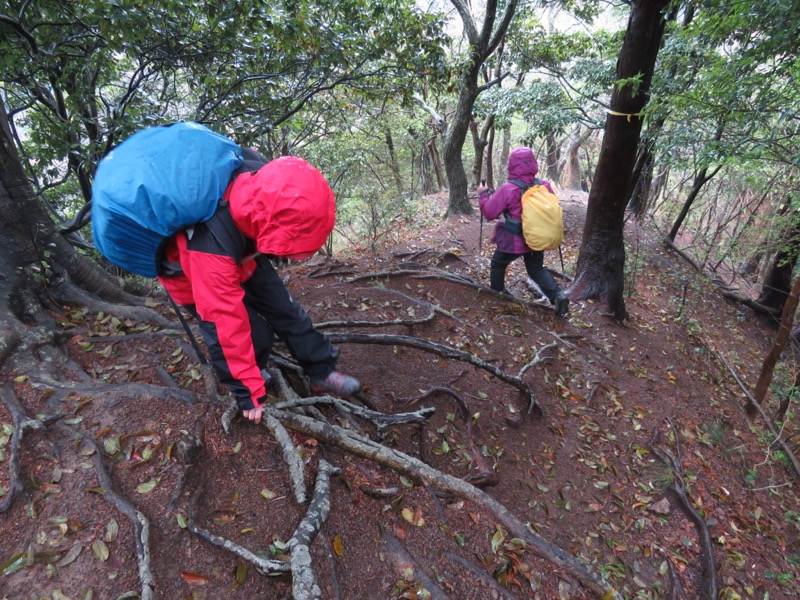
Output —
<point x="253" y="161"/>
<point x="510" y="224"/>
<point x="520" y="184"/>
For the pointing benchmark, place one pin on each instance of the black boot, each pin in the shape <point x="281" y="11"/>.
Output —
<point x="561" y="304"/>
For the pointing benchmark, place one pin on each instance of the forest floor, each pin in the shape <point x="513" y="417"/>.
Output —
<point x="586" y="474"/>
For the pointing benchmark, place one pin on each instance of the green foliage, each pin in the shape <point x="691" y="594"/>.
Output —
<point x="88" y="74"/>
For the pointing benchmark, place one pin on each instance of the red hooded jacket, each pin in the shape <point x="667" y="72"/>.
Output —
<point x="286" y="208"/>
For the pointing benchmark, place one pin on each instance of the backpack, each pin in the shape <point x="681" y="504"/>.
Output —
<point x="542" y="223"/>
<point x="156" y="182"/>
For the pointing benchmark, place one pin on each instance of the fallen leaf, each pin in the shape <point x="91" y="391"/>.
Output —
<point x="70" y="555"/>
<point x="146" y="488"/>
<point x="112" y="530"/>
<point x="100" y="550"/>
<point x="13" y="564"/>
<point x="194" y="578"/>
<point x="241" y="574"/>
<point x="337" y="546"/>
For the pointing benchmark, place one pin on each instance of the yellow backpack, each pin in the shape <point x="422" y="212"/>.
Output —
<point x="542" y="223"/>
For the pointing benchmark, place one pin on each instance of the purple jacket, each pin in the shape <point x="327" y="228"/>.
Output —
<point x="522" y="165"/>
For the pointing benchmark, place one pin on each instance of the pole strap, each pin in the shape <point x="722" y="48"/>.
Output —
<point x="187" y="329"/>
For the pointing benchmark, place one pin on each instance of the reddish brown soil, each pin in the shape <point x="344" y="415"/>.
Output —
<point x="582" y="474"/>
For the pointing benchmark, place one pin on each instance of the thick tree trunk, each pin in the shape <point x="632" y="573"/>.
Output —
<point x="601" y="262"/>
<point x="38" y="268"/>
<point x="458" y="203"/>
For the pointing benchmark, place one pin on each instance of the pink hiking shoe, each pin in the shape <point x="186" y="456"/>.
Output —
<point x="338" y="384"/>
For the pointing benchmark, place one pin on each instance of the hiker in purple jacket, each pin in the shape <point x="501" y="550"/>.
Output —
<point x="522" y="165"/>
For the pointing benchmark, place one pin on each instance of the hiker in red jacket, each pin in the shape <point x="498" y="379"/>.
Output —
<point x="507" y="199"/>
<point x="220" y="272"/>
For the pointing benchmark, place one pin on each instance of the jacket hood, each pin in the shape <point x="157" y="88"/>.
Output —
<point x="286" y="206"/>
<point x="522" y="164"/>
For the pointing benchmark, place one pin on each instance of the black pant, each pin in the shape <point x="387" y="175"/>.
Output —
<point x="534" y="265"/>
<point x="272" y="311"/>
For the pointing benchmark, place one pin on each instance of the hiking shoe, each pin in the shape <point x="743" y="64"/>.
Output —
<point x="561" y="304"/>
<point x="337" y="383"/>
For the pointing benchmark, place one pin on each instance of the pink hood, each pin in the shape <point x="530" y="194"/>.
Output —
<point x="287" y="207"/>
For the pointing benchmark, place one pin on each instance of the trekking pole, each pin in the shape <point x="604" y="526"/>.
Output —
<point x="188" y="330"/>
<point x="480" y="236"/>
<point x="561" y="256"/>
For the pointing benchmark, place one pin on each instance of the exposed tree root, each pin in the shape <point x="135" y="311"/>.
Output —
<point x="679" y="487"/>
<point x="378" y="419"/>
<point x="268" y="566"/>
<point x="417" y="469"/>
<point x="21" y="424"/>
<point x="476" y="571"/>
<point x="485" y="477"/>
<point x="290" y="456"/>
<point x="445" y="352"/>
<point x="9" y="340"/>
<point x="304" y="583"/>
<point x="379" y="493"/>
<point x="141" y="526"/>
<point x="402" y="561"/>
<point x="75" y="295"/>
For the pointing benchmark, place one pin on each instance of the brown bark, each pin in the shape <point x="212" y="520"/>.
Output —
<point x="482" y="43"/>
<point x="777" y="283"/>
<point x="601" y="262"/>
<point x="778" y="344"/>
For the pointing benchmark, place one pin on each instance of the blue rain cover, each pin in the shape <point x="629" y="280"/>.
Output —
<point x="155" y="183"/>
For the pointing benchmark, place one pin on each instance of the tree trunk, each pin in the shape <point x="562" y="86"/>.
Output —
<point x="437" y="162"/>
<point x="601" y="262"/>
<point x="778" y="279"/>
<point x="571" y="173"/>
<point x="553" y="157"/>
<point x="39" y="271"/>
<point x="700" y="180"/>
<point x="505" y="151"/>
<point x="393" y="164"/>
<point x="482" y="43"/>
<point x="489" y="160"/>
<point x="778" y="344"/>
<point x="480" y="141"/>
<point x="643" y="179"/>
<point x="458" y="203"/>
